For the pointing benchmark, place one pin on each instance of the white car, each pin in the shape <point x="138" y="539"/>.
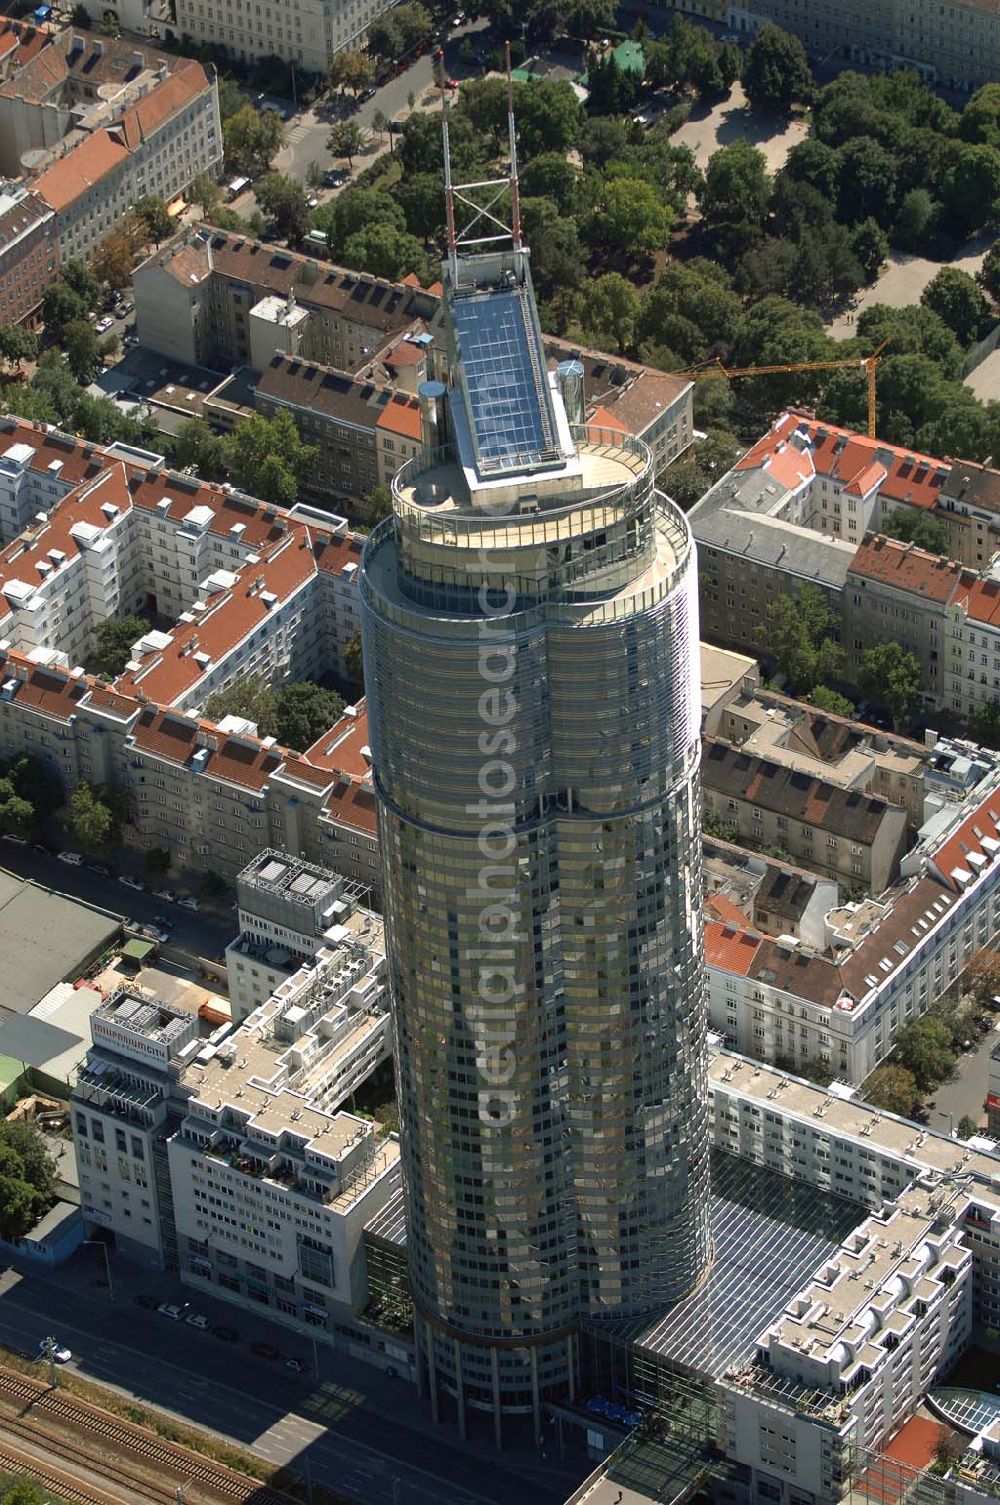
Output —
<point x="154" y="933"/>
<point x="71" y="859"/>
<point x="196" y="1319"/>
<point x="103" y="325"/>
<point x="169" y="1309"/>
<point x="190" y="903"/>
<point x="60" y="1353"/>
<point x="131" y="882"/>
<point x="167" y="894"/>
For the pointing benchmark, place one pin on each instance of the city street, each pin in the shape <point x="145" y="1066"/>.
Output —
<point x="356" y="1429"/>
<point x="305" y="136"/>
<point x="967" y="1091"/>
<point x="204" y="934"/>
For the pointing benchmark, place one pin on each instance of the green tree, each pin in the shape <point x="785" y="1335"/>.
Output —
<point x="377" y="504"/>
<point x="550" y="177"/>
<point x="558" y="259"/>
<point x="251" y="698"/>
<point x="980" y="120"/>
<point x="386" y="252"/>
<point x="891" y="676"/>
<point x="631" y="218"/>
<point x="825" y="699"/>
<point x="206" y="193"/>
<point x="691" y="308"/>
<point x="954" y="296"/>
<point x="152" y="210"/>
<point x="919" y="528"/>
<point x="967" y="1126"/>
<point x="346" y="139"/>
<point x="354" y="660"/>
<point x="113" y="261"/>
<point x="17" y="815"/>
<point x="870" y="245"/>
<point x="868" y="182"/>
<point x="916" y="220"/>
<point x="797" y="632"/>
<point x="776" y="72"/>
<point x="26" y="1491"/>
<point x="548" y="116"/>
<point x="892" y="1088"/>
<point x="737" y="191"/>
<point x="61" y="306"/>
<point x="609" y="311"/>
<point x="94" y="817"/>
<point x="688" y="478"/>
<point x="82" y="350"/>
<point x="422" y="203"/>
<point x="351" y="70"/>
<point x="970" y="191"/>
<point x="924" y="1049"/>
<point x="196" y="447"/>
<point x="303" y="711"/>
<point x="359" y="209"/>
<point x="587" y="19"/>
<point x="265" y="455"/>
<point x="114" y="643"/>
<point x="286" y="205"/>
<point x="251" y="138"/>
<point x="17" y="344"/>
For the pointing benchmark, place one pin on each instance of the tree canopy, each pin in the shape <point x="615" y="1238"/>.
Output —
<point x="296" y="713"/>
<point x="891" y="676"/>
<point x="114" y="643"/>
<point x="920" y="528"/>
<point x="893" y="1088"/>
<point x="776" y="72"/>
<point x="27" y="1178"/>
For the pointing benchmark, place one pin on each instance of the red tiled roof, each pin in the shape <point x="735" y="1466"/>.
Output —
<point x="20" y="560"/>
<point x="605" y="419"/>
<point x="81" y="168"/>
<point x="724" y="910"/>
<point x="729" y="948"/>
<point x="165" y="735"/>
<point x="981" y="600"/>
<point x="339" y="749"/>
<point x="905" y="567"/>
<point x="354" y="806"/>
<point x="50" y="691"/>
<point x="401" y="416"/>
<point x="230" y="616"/>
<point x="242" y="761"/>
<point x="964" y="851"/>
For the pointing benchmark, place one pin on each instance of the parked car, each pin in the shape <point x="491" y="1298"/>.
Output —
<point x="61" y="1354"/>
<point x="197" y="1319"/>
<point x="18" y="841"/>
<point x="190" y="903"/>
<point x="368" y="94"/>
<point x="104" y="324"/>
<point x="295" y="1365"/>
<point x="71" y="859"/>
<point x="226" y="1334"/>
<point x="264" y="1350"/>
<point x="154" y="933"/>
<point x="172" y="1310"/>
<point x="167" y="894"/>
<point x="125" y="308"/>
<point x="131" y="882"/>
<point x="99" y="869"/>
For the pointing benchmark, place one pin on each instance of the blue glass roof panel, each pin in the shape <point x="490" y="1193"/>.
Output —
<point x="511" y="415"/>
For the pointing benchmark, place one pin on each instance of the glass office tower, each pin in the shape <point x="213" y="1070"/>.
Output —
<point x="530" y="634"/>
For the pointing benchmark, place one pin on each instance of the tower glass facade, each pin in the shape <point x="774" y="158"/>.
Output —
<point x="531" y="648"/>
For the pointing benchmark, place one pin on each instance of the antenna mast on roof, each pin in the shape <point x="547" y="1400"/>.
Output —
<point x="482" y="198"/>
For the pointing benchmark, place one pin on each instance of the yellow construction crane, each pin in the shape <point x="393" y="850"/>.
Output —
<point x="866" y="363"/>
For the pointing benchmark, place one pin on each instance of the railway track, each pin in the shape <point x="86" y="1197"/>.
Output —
<point x="125" y="1438"/>
<point x="52" y="1478"/>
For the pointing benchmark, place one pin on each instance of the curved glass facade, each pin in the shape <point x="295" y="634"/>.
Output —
<point x="534" y="709"/>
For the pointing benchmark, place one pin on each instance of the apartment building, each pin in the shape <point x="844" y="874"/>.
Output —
<point x="884" y="961"/>
<point x="969" y="508"/>
<point x="29" y="253"/>
<point x="839" y="833"/>
<point x="195" y="298"/>
<point x="288" y="911"/>
<point x="226" y="1155"/>
<point x="795" y="508"/>
<point x="362" y="432"/>
<point x="835" y="748"/>
<point x="159" y="144"/>
<point x="896" y="593"/>
<point x="956" y="46"/>
<point x="305" y="32"/>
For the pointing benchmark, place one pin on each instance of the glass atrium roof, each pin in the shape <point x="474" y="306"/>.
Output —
<point x="770" y="1234"/>
<point x="505" y="380"/>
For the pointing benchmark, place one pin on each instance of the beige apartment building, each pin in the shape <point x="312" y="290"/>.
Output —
<point x="955" y="45"/>
<point x="839" y="833"/>
<point x="304" y="32"/>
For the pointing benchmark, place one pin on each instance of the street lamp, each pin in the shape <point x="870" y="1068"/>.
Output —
<point x="48" y="1347"/>
<point x="100" y="1244"/>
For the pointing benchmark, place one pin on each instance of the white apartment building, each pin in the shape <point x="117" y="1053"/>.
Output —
<point x="226" y="1155"/>
<point x="158" y="144"/>
<point x="288" y="911"/>
<point x="304" y="32"/>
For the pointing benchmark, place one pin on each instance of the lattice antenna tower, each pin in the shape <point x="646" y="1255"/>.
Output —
<point x="482" y="224"/>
